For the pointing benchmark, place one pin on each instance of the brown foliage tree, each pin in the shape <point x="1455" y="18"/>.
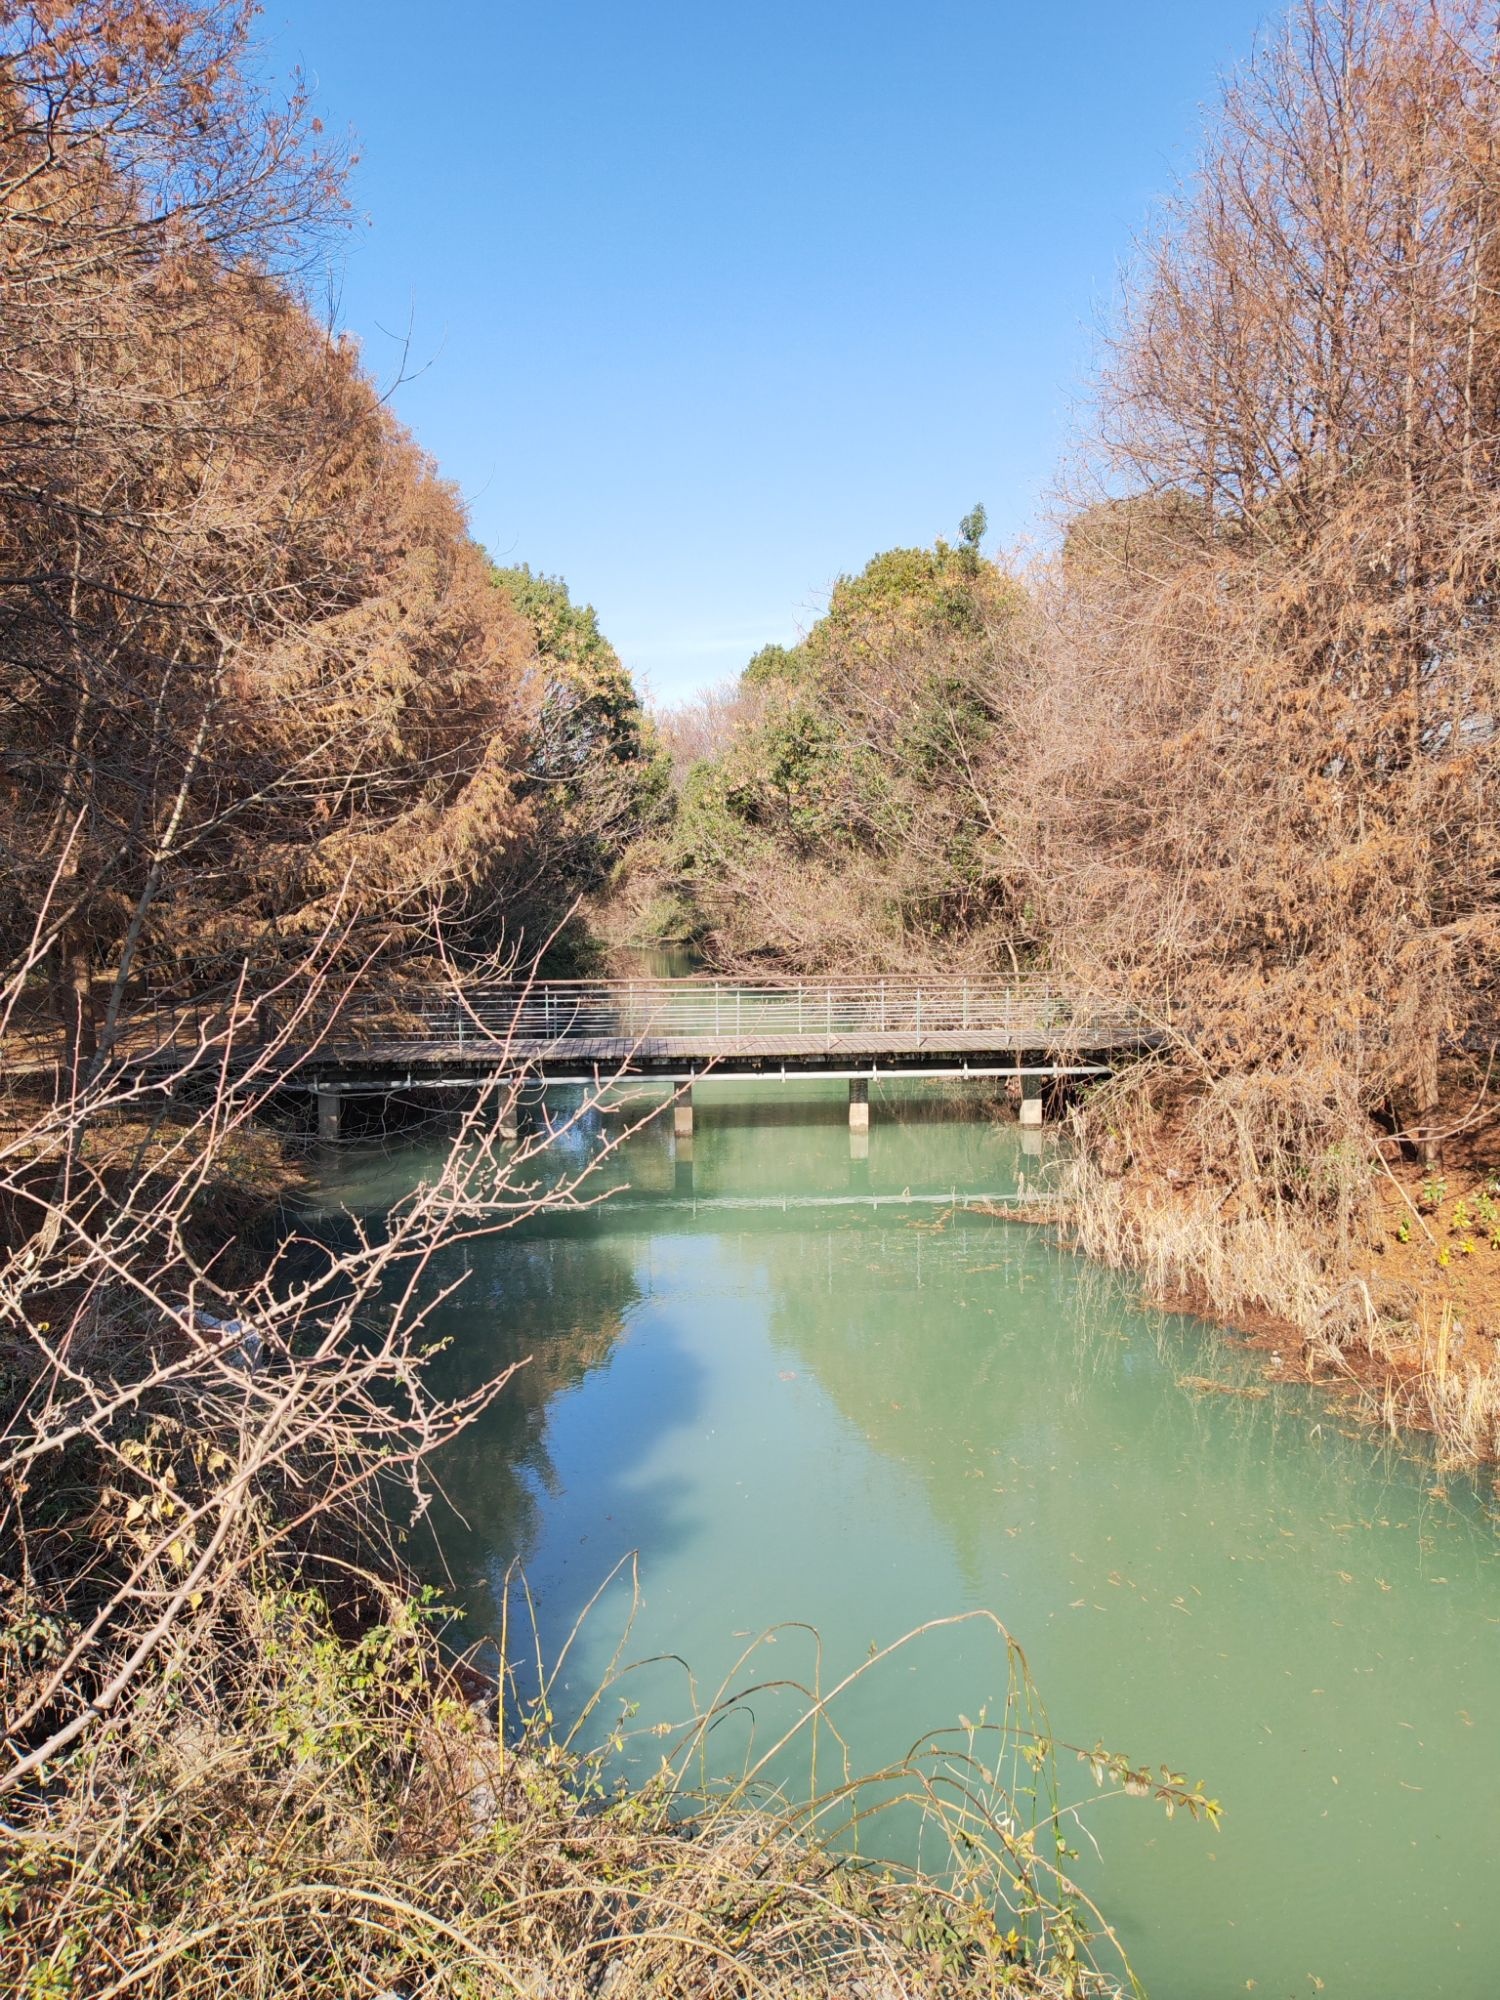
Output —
<point x="252" y="678"/>
<point x="1267" y="756"/>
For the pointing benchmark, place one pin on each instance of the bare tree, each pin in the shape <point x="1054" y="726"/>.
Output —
<point x="1276" y="654"/>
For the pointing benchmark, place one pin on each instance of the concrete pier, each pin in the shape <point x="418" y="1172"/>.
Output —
<point x="330" y="1113"/>
<point x="1032" y="1101"/>
<point x="859" y="1104"/>
<point x="682" y="1116"/>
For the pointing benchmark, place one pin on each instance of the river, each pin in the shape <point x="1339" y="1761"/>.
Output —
<point x="797" y="1398"/>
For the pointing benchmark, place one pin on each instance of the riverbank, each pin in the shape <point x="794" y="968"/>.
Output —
<point x="310" y="1815"/>
<point x="1387" y="1295"/>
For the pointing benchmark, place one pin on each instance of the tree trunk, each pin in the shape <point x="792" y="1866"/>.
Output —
<point x="73" y="991"/>
<point x="1426" y="1091"/>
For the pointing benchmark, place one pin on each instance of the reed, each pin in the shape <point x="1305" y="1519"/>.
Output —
<point x="1193" y="1202"/>
<point x="310" y="1815"/>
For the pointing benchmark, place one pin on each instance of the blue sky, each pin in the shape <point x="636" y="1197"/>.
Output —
<point x="710" y="303"/>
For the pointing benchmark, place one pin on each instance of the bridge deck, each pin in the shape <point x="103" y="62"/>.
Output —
<point x="652" y="1054"/>
<point x="644" y="1027"/>
<point x="672" y="1028"/>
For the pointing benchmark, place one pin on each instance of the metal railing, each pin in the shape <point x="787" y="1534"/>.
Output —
<point x="548" y="1014"/>
<point x="700" y="1019"/>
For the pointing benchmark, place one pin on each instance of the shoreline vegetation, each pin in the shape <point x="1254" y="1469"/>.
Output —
<point x="278" y="731"/>
<point x="1414" y="1368"/>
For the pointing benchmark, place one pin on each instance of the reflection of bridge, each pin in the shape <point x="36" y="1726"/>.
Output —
<point x="675" y="1030"/>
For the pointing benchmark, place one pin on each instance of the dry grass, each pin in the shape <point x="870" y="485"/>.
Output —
<point x="1243" y="1201"/>
<point x="1386" y="1281"/>
<point x="309" y="1815"/>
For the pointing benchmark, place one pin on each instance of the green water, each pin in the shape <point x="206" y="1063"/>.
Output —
<point x="799" y="1400"/>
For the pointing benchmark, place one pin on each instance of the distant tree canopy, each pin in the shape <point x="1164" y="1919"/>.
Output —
<point x="772" y="663"/>
<point x="596" y="778"/>
<point x="842" y="810"/>
<point x="589" y="711"/>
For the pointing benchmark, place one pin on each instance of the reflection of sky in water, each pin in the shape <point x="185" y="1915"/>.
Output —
<point x="869" y="1416"/>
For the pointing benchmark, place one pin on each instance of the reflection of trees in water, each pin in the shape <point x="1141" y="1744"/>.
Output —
<point x="913" y="1329"/>
<point x="793" y="1138"/>
<point x="1034" y="1398"/>
<point x="1232" y="1424"/>
<point x="555" y="1302"/>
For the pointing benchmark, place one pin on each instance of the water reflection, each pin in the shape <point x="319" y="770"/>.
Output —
<point x="796" y="1403"/>
<point x="572" y="1316"/>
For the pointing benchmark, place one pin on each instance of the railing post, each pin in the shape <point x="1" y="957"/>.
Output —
<point x="919" y="1010"/>
<point x="966" y="1003"/>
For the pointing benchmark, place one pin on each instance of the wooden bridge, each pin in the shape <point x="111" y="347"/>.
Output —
<point x="566" y="1031"/>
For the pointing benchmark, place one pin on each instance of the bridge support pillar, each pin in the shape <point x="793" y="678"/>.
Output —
<point x="1031" y="1101"/>
<point x="510" y="1115"/>
<point x="682" y="1115"/>
<point x="330" y="1113"/>
<point x="859" y="1104"/>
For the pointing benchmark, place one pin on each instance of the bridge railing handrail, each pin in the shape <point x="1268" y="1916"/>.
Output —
<point x="550" y="1012"/>
<point x="528" y="1016"/>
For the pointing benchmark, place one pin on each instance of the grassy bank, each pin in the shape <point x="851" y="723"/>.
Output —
<point x="1377" y="1275"/>
<point x="307" y="1813"/>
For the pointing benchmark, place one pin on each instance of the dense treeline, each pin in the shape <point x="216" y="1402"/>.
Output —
<point x="1233" y="751"/>
<point x="1282" y="778"/>
<point x="257" y="684"/>
<point x="836" y="809"/>
<point x="1271" y="814"/>
<point x="595" y="779"/>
